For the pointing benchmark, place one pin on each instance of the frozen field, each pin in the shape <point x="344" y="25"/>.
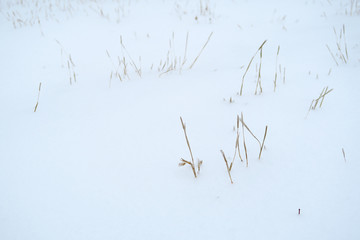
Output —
<point x="92" y="92"/>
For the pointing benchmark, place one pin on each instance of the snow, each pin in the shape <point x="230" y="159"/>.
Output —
<point x="99" y="158"/>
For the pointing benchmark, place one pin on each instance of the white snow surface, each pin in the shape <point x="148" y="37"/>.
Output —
<point x="99" y="157"/>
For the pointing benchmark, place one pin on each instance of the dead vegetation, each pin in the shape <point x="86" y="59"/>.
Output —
<point x="69" y="63"/>
<point x="38" y="97"/>
<point x="237" y="151"/>
<point x="317" y="103"/>
<point x="183" y="162"/>
<point x="279" y="71"/>
<point x="173" y="62"/>
<point x="341" y="52"/>
<point x="28" y="13"/>
<point x="248" y="67"/>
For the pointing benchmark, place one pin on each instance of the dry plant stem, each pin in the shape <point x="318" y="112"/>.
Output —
<point x="187" y="141"/>
<point x="185" y="51"/>
<point x="201" y="50"/>
<point x="247" y="69"/>
<point x="243" y="132"/>
<point x="346" y="52"/>
<point x="116" y="68"/>
<point x="318" y="99"/>
<point x="259" y="75"/>
<point x="312" y="102"/>
<point x="322" y="96"/>
<point x="227" y="166"/>
<point x="236" y="149"/>
<point x="137" y="70"/>
<point x="338" y="40"/>
<point x="38" y="97"/>
<point x="247" y="128"/>
<point x="284" y="75"/>
<point x="332" y="55"/>
<point x="199" y="163"/>
<point x="262" y="145"/>
<point x="315" y="102"/>
<point x="276" y="63"/>
<point x="237" y="143"/>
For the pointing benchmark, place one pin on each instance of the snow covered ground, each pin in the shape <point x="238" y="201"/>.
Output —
<point x="99" y="158"/>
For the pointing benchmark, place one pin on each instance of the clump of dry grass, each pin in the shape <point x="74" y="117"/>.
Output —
<point x="248" y="66"/>
<point x="120" y="65"/>
<point x="261" y="144"/>
<point x="120" y="70"/>
<point x="183" y="162"/>
<point x="132" y="63"/>
<point x="354" y="8"/>
<point x="38" y="97"/>
<point x="237" y="142"/>
<point x="172" y="62"/>
<point x="237" y="152"/>
<point x="69" y="62"/>
<point x="341" y="47"/>
<point x="319" y="101"/>
<point x="28" y="13"/>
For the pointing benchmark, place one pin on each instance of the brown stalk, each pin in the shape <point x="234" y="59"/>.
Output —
<point x="276" y="63"/>
<point x="137" y="70"/>
<point x="247" y="69"/>
<point x="188" y="144"/>
<point x="243" y="132"/>
<point x="332" y="55"/>
<point x="346" y="52"/>
<point x="262" y="145"/>
<point x="227" y="166"/>
<point x="186" y="44"/>
<point x="259" y="75"/>
<point x="237" y="145"/>
<point x="244" y="124"/>
<point x="201" y="50"/>
<point x="37" y="102"/>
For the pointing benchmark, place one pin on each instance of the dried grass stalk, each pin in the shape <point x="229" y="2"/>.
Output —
<point x="237" y="142"/>
<point x="262" y="145"/>
<point x="276" y="64"/>
<point x="192" y="164"/>
<point x="201" y="50"/>
<point x="247" y="69"/>
<point x="243" y="132"/>
<point x="38" y="97"/>
<point x="227" y="166"/>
